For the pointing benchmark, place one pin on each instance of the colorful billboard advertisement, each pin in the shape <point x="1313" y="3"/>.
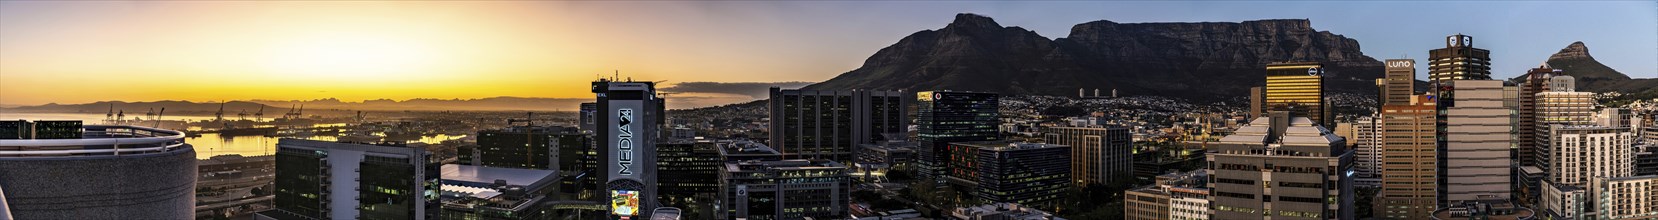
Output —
<point x="624" y="202"/>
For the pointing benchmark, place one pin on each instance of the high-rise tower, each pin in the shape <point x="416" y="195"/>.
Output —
<point x="1297" y="88"/>
<point x="1459" y="60"/>
<point x="628" y="116"/>
<point x="1400" y="82"/>
<point x="948" y="116"/>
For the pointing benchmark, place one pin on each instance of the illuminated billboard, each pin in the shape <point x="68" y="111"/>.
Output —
<point x="624" y="202"/>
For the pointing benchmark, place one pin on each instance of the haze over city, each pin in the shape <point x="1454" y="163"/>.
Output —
<point x="847" y="110"/>
<point x="363" y="50"/>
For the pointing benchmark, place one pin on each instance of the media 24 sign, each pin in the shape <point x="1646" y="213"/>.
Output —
<point x="624" y="141"/>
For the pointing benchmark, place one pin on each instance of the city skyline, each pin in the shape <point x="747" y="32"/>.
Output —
<point x="375" y="50"/>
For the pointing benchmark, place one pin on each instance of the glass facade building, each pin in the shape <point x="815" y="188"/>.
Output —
<point x="830" y="124"/>
<point x="332" y="180"/>
<point x="948" y="116"/>
<point x="689" y="176"/>
<point x="1297" y="88"/>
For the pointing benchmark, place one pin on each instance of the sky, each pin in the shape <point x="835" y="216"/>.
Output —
<point x="86" y="51"/>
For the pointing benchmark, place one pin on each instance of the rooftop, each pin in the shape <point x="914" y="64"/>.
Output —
<point x="98" y="140"/>
<point x="489" y="175"/>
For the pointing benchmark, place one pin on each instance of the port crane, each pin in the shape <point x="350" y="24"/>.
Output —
<point x="219" y="115"/>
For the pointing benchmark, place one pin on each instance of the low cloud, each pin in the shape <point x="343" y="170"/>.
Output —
<point x="757" y="90"/>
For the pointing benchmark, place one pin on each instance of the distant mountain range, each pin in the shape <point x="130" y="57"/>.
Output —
<point x="1197" y="61"/>
<point x="1592" y="76"/>
<point x="274" y="108"/>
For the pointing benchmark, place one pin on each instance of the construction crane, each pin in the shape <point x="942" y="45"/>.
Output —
<point x="242" y="116"/>
<point x="259" y="116"/>
<point x="150" y="115"/>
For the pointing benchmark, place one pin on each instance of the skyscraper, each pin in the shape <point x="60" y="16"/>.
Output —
<point x="1368" y="148"/>
<point x="949" y="116"/>
<point x="1473" y="131"/>
<point x="1399" y="84"/>
<point x="1281" y="166"/>
<point x="1459" y="60"/>
<point x="1536" y="81"/>
<point x="829" y="124"/>
<point x="1408" y="173"/>
<point x="1297" y="88"/>
<point x="1098" y="155"/>
<point x="97" y="172"/>
<point x="331" y="180"/>
<point x="628" y="118"/>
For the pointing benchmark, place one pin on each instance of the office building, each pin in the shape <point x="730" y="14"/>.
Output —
<point x="1297" y="88"/>
<point x="333" y="180"/>
<point x="888" y="153"/>
<point x="528" y="147"/>
<point x="1024" y="173"/>
<point x="1175" y="196"/>
<point x="1627" y="197"/>
<point x="1399" y="82"/>
<point x="1367" y="146"/>
<point x="1099" y="155"/>
<point x="948" y="116"/>
<point x="1536" y="81"/>
<point x="783" y="189"/>
<point x="1646" y="159"/>
<point x="628" y="119"/>
<point x="150" y="175"/>
<point x="477" y="192"/>
<point x="1459" y="60"/>
<point x="1281" y="167"/>
<point x="1474" y="137"/>
<point x="830" y="124"/>
<point x="1257" y="102"/>
<point x="1407" y="175"/>
<point x="688" y="172"/>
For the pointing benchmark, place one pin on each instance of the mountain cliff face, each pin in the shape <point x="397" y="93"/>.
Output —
<point x="1199" y="61"/>
<point x="1592" y="76"/>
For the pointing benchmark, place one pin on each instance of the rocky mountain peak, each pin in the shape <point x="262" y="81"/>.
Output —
<point x="1576" y="50"/>
<point x="970" y="20"/>
<point x="1192" y="60"/>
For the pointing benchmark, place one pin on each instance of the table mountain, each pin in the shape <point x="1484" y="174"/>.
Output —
<point x="1592" y="76"/>
<point x="1199" y="61"/>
